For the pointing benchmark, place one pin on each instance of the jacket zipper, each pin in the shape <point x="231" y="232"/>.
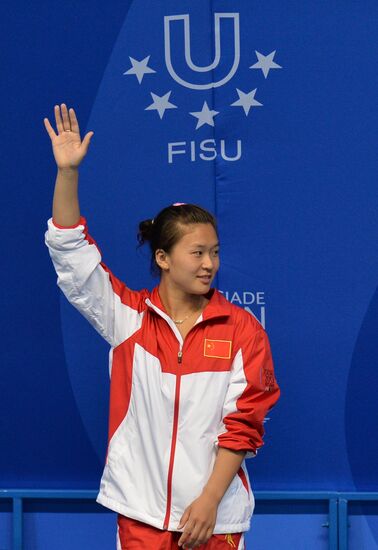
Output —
<point x="174" y="434"/>
<point x="173" y="444"/>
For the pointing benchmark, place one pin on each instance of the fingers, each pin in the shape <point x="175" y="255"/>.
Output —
<point x="74" y="122"/>
<point x="63" y="122"/>
<point x="58" y="120"/>
<point x="197" y="537"/>
<point x="209" y="533"/>
<point x="66" y="119"/>
<point x="186" y="535"/>
<point x="190" y="538"/>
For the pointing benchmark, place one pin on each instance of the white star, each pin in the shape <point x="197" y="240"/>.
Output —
<point x="265" y="63"/>
<point x="246" y="100"/>
<point x="205" y="116"/>
<point x="139" y="68"/>
<point x="160" y="104"/>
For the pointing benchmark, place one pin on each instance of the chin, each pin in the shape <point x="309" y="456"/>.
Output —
<point x="203" y="290"/>
<point x="200" y="291"/>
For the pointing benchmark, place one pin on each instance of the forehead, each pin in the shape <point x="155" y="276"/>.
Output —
<point x="198" y="233"/>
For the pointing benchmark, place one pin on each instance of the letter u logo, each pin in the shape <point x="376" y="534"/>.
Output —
<point x="188" y="59"/>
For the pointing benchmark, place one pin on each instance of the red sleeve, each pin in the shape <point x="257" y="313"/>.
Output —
<point x="82" y="221"/>
<point x="253" y="390"/>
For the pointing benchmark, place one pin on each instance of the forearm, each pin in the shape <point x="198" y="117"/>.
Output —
<point x="66" y="209"/>
<point x="225" y="468"/>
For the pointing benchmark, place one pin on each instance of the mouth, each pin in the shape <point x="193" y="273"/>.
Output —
<point x="205" y="278"/>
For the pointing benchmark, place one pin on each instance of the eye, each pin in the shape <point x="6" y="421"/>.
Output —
<point x="197" y="252"/>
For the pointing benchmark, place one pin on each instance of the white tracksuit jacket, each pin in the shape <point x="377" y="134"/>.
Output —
<point x="172" y="402"/>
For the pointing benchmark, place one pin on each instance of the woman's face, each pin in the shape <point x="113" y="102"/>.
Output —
<point x="194" y="259"/>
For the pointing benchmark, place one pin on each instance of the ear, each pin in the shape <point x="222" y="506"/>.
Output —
<point x="161" y="258"/>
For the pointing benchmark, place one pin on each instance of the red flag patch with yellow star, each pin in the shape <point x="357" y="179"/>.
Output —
<point x="217" y="348"/>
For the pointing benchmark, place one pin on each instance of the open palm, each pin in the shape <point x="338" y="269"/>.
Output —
<point x="68" y="148"/>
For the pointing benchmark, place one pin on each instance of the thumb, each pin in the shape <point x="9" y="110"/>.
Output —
<point x="183" y="519"/>
<point x="87" y="140"/>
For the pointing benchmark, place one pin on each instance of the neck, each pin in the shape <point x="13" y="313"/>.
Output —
<point x="177" y="303"/>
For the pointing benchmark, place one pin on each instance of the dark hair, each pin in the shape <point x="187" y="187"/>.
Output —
<point x="165" y="230"/>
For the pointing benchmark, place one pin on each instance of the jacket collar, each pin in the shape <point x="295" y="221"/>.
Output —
<point x="217" y="306"/>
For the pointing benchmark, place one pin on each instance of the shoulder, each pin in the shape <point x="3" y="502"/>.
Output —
<point x="241" y="317"/>
<point x="250" y="337"/>
<point x="249" y="333"/>
<point x="129" y="297"/>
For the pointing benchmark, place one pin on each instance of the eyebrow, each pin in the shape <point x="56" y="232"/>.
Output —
<point x="203" y="246"/>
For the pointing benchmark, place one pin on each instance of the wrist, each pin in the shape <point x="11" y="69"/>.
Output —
<point x="212" y="494"/>
<point x="68" y="169"/>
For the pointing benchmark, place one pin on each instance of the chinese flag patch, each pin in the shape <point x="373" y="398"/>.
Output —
<point x="217" y="348"/>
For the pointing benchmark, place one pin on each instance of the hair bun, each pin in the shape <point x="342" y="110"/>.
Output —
<point x="145" y="231"/>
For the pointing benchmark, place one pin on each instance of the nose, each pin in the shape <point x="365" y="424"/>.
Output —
<point x="208" y="262"/>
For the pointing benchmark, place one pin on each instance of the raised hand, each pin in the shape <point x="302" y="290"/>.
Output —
<point x="68" y="148"/>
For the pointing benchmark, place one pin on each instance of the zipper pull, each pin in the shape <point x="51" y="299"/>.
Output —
<point x="179" y="356"/>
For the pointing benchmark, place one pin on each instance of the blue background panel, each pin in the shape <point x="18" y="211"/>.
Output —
<point x="363" y="523"/>
<point x="296" y="212"/>
<point x="74" y="525"/>
<point x="5" y="524"/>
<point x="289" y="525"/>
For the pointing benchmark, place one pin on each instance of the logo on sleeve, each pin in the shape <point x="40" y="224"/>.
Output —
<point x="269" y="379"/>
<point x="217" y="348"/>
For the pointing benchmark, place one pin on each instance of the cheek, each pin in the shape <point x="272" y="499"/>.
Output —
<point x="189" y="266"/>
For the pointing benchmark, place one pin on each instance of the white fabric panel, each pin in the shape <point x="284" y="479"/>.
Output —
<point x="237" y="385"/>
<point x="87" y="286"/>
<point x="139" y="451"/>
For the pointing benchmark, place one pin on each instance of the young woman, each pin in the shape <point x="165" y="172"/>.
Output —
<point x="192" y="376"/>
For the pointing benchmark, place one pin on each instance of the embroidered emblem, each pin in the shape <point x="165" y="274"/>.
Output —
<point x="217" y="348"/>
<point x="230" y="540"/>
<point x="269" y="379"/>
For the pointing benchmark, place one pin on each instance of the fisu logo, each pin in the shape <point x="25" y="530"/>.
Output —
<point x="187" y="50"/>
<point x="185" y="73"/>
